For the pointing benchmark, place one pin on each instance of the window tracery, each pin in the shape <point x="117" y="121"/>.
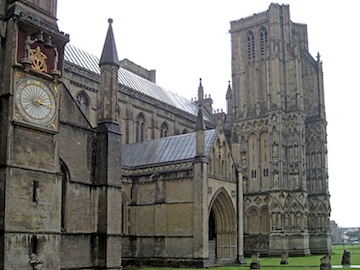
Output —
<point x="251" y="45"/>
<point x="82" y="100"/>
<point x="263" y="40"/>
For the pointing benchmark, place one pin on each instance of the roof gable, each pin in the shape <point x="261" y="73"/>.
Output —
<point x="70" y="110"/>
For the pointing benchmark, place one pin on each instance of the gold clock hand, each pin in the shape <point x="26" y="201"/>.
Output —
<point x="48" y="97"/>
<point x="42" y="103"/>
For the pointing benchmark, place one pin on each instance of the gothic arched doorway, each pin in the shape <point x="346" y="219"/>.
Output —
<point x="222" y="229"/>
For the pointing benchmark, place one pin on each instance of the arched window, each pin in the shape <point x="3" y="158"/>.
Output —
<point x="265" y="221"/>
<point x="253" y="155"/>
<point x="251" y="45"/>
<point x="217" y="157"/>
<point x="253" y="225"/>
<point x="264" y="152"/>
<point x="140" y="128"/>
<point x="263" y="40"/>
<point x="82" y="100"/>
<point x="164" y="130"/>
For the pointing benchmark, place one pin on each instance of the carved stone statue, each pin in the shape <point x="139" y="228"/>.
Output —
<point x="273" y="221"/>
<point x="275" y="151"/>
<point x="27" y="48"/>
<point x="305" y="225"/>
<point x="276" y="179"/>
<point x="56" y="58"/>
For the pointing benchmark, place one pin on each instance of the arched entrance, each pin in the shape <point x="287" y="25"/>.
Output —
<point x="222" y="229"/>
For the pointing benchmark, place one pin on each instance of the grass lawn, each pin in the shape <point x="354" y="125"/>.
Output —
<point x="295" y="263"/>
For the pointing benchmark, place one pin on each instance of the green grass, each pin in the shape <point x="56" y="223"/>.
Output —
<point x="295" y="263"/>
<point x="338" y="251"/>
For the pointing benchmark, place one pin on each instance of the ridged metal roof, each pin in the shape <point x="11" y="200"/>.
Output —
<point x="90" y="62"/>
<point x="165" y="150"/>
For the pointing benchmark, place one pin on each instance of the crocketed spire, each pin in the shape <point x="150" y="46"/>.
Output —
<point x="109" y="54"/>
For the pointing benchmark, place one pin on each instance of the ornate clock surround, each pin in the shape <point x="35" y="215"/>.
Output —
<point x="40" y="50"/>
<point x="38" y="68"/>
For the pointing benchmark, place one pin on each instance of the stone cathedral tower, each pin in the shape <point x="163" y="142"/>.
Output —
<point x="31" y="59"/>
<point x="277" y="109"/>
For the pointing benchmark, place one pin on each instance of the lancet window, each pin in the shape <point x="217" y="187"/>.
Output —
<point x="140" y="128"/>
<point x="251" y="45"/>
<point x="263" y="40"/>
<point x="164" y="130"/>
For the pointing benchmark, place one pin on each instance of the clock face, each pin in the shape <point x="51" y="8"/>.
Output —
<point x="35" y="102"/>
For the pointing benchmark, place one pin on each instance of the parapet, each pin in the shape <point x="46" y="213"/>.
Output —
<point x="149" y="75"/>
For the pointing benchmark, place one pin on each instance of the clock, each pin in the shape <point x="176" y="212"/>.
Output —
<point x="36" y="102"/>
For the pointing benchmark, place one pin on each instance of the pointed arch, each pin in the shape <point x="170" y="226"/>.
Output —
<point x="250" y="45"/>
<point x="276" y="212"/>
<point x="164" y="130"/>
<point x="83" y="101"/>
<point x="264" y="39"/>
<point x="221" y="164"/>
<point x="294" y="203"/>
<point x="294" y="216"/>
<point x="264" y="160"/>
<point x="224" y="160"/>
<point x="217" y="156"/>
<point x="140" y="128"/>
<point x="252" y="225"/>
<point x="222" y="222"/>
<point x="320" y="208"/>
<point x="264" y="220"/>
<point x="253" y="158"/>
<point x="321" y="216"/>
<point x="275" y="205"/>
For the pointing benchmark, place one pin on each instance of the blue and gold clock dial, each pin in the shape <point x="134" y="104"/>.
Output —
<point x="36" y="102"/>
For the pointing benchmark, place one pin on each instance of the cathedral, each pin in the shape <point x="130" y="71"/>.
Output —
<point x="101" y="168"/>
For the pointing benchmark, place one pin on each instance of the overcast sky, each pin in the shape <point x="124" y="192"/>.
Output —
<point x="188" y="39"/>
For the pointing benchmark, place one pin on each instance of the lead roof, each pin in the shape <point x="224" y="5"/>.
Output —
<point x="131" y="80"/>
<point x="180" y="148"/>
